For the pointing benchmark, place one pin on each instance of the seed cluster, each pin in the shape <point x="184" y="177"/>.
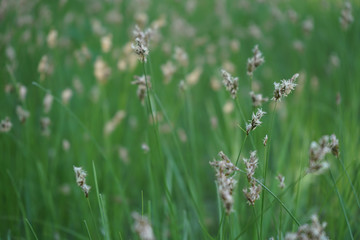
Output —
<point x="80" y="175"/>
<point x="253" y="192"/>
<point x="318" y="151"/>
<point x="255" y="121"/>
<point x="225" y="170"/>
<point x="255" y="61"/>
<point x="284" y="88"/>
<point x="143" y="227"/>
<point x="315" y="230"/>
<point x="231" y="83"/>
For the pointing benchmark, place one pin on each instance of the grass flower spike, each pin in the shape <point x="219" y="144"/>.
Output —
<point x="141" y="42"/>
<point x="141" y="82"/>
<point x="318" y="151"/>
<point x="284" y="88"/>
<point x="225" y="180"/>
<point x="281" y="179"/>
<point x="255" y="61"/>
<point x="253" y="192"/>
<point x="5" y="125"/>
<point x="346" y="17"/>
<point x="231" y="83"/>
<point x="255" y="121"/>
<point x="81" y="180"/>
<point x="251" y="165"/>
<point x="315" y="230"/>
<point x="257" y="99"/>
<point x="143" y="227"/>
<point x="140" y="49"/>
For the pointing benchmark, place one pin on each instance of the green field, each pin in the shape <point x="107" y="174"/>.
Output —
<point x="73" y="92"/>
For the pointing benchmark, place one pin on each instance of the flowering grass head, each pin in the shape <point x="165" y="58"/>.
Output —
<point x="284" y="88"/>
<point x="225" y="170"/>
<point x="80" y="175"/>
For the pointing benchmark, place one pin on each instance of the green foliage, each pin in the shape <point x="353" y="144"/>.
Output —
<point x="173" y="183"/>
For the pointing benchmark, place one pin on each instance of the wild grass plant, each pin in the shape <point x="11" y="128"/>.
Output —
<point x="112" y="111"/>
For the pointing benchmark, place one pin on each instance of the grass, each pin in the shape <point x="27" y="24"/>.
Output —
<point x="173" y="184"/>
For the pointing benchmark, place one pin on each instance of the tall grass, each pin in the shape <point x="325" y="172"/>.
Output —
<point x="172" y="183"/>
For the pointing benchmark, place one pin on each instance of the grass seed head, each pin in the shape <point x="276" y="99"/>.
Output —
<point x="22" y="114"/>
<point x="251" y="165"/>
<point x="140" y="49"/>
<point x="346" y="17"/>
<point x="168" y="70"/>
<point x="255" y="61"/>
<point x="66" y="96"/>
<point x="281" y="179"/>
<point x="106" y="43"/>
<point x="45" y="68"/>
<point x="45" y="126"/>
<point x="111" y="125"/>
<point x="141" y="82"/>
<point x="225" y="170"/>
<point x="255" y="121"/>
<point x="318" y="151"/>
<point x="313" y="231"/>
<point x="181" y="57"/>
<point x="257" y="99"/>
<point x="252" y="193"/>
<point x="80" y="175"/>
<point x="284" y="88"/>
<point x="101" y="70"/>
<point x="52" y="38"/>
<point x="265" y="140"/>
<point x="231" y="83"/>
<point x="143" y="227"/>
<point x="5" y="125"/>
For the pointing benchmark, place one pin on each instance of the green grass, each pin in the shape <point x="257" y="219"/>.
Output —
<point x="173" y="184"/>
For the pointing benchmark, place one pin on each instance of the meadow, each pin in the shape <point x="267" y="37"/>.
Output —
<point x="139" y="119"/>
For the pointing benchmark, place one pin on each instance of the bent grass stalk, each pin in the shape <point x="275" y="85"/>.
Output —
<point x="282" y="204"/>
<point x="342" y="205"/>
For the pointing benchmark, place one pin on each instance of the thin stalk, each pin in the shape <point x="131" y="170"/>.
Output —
<point x="101" y="206"/>
<point x="342" y="205"/>
<point x="282" y="204"/>
<point x="244" y="119"/>
<point x="93" y="219"/>
<point x="242" y="146"/>
<point x="256" y="226"/>
<point x="157" y="171"/>
<point x="31" y="228"/>
<point x="220" y="226"/>
<point x="349" y="180"/>
<point x="87" y="229"/>
<point x="251" y="79"/>
<point x="21" y="206"/>
<point x="266" y="155"/>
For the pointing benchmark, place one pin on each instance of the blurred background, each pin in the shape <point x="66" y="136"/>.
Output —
<point x="67" y="70"/>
